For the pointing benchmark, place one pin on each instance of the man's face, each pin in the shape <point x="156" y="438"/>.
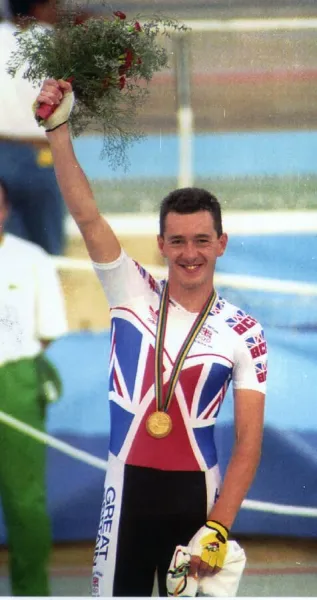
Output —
<point x="191" y="247"/>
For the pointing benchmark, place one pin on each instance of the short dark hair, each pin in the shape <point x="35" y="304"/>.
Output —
<point x="190" y="200"/>
<point x="23" y="8"/>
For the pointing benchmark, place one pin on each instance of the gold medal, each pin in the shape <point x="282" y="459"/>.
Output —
<point x="159" y="424"/>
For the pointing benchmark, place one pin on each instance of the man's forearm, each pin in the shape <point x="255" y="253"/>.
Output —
<point x="238" y="478"/>
<point x="72" y="181"/>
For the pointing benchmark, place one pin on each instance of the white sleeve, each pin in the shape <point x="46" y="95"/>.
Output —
<point x="50" y="317"/>
<point x="124" y="279"/>
<point x="250" y="369"/>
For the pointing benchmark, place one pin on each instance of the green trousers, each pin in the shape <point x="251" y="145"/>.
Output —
<point x="23" y="481"/>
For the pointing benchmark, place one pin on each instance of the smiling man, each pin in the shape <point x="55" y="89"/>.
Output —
<point x="176" y="346"/>
<point x="191" y="239"/>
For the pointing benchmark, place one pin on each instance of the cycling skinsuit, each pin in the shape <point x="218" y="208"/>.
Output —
<point x="158" y="491"/>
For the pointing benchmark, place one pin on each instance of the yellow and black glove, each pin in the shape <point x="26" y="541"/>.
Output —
<point x="209" y="544"/>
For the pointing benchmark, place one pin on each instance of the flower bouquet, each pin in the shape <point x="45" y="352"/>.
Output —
<point x="109" y="62"/>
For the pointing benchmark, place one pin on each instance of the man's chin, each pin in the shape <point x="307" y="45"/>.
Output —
<point x="191" y="285"/>
<point x="188" y="281"/>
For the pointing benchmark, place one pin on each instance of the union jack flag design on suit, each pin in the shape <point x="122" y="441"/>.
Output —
<point x="223" y="351"/>
<point x="198" y="397"/>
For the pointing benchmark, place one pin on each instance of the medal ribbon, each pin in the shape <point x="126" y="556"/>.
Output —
<point x="159" y="348"/>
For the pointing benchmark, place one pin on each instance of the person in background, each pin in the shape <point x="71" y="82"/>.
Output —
<point x="37" y="212"/>
<point x="176" y="346"/>
<point x="32" y="314"/>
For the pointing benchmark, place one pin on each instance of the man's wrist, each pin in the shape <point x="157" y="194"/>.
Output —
<point x="63" y="127"/>
<point x="59" y="134"/>
<point x="216" y="525"/>
<point x="56" y="127"/>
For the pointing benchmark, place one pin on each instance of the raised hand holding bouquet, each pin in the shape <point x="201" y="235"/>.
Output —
<point x="108" y="62"/>
<point x="55" y="102"/>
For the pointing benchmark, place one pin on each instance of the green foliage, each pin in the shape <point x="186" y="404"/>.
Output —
<point x="109" y="63"/>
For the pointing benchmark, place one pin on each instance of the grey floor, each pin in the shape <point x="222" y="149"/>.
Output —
<point x="283" y="583"/>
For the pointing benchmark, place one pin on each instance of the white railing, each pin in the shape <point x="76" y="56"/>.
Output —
<point x="234" y="223"/>
<point x="232" y="280"/>
<point x="243" y="25"/>
<point x="98" y="463"/>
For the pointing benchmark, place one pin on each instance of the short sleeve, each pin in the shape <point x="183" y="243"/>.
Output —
<point x="50" y="317"/>
<point x="124" y="279"/>
<point x="250" y="370"/>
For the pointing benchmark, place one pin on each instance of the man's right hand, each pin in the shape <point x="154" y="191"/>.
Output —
<point x="59" y="95"/>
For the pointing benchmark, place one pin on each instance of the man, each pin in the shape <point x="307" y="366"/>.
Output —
<point x="176" y="345"/>
<point x="25" y="160"/>
<point x="32" y="314"/>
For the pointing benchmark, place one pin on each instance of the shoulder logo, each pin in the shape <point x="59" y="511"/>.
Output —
<point x="257" y="345"/>
<point x="147" y="277"/>
<point x="153" y="315"/>
<point x="141" y="270"/>
<point x="261" y="371"/>
<point x="217" y="308"/>
<point x="241" y="322"/>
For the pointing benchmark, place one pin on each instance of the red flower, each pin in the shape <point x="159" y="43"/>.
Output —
<point x="122" y="82"/>
<point x="139" y="61"/>
<point x="120" y="14"/>
<point x="80" y="18"/>
<point x="128" y="60"/>
<point x="137" y="26"/>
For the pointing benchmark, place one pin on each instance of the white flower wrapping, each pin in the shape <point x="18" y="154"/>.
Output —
<point x="61" y="113"/>
<point x="225" y="583"/>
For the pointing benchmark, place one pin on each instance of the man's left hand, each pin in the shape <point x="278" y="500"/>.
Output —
<point x="208" y="548"/>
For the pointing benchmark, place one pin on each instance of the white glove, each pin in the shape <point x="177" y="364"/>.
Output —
<point x="222" y="584"/>
<point x="60" y="114"/>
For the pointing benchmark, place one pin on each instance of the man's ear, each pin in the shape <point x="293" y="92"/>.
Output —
<point x="160" y="244"/>
<point x="222" y="244"/>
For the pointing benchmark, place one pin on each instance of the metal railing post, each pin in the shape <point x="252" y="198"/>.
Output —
<point x="184" y="110"/>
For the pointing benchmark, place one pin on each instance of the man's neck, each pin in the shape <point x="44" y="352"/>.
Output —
<point x="193" y="300"/>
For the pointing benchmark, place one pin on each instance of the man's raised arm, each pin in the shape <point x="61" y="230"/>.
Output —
<point x="101" y="242"/>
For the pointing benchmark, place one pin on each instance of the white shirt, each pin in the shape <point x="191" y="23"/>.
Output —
<point x="31" y="299"/>
<point x="17" y="95"/>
